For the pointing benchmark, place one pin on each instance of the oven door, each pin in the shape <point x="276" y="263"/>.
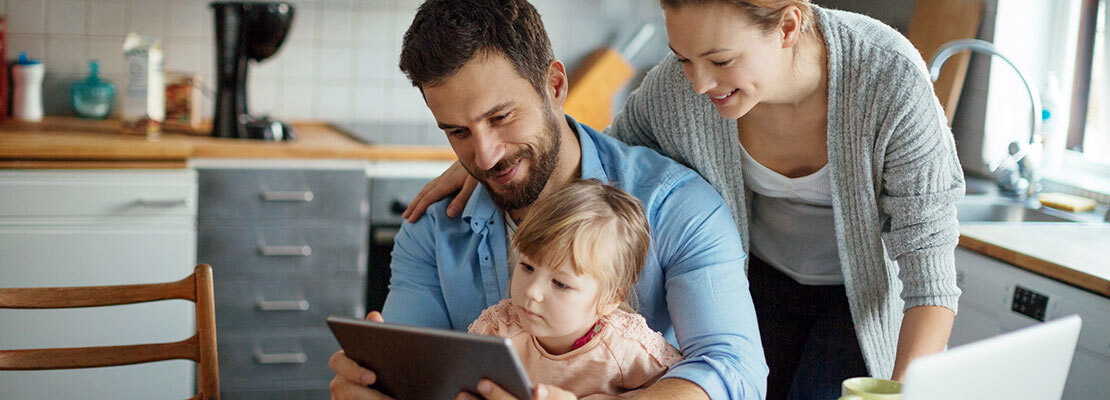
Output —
<point x="378" y="258"/>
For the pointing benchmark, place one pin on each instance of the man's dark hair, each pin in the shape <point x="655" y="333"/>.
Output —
<point x="446" y="34"/>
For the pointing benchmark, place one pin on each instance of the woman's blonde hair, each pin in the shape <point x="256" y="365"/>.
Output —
<point x="602" y="229"/>
<point x="765" y="13"/>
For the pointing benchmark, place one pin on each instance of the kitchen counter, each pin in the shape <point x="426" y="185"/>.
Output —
<point x="1074" y="253"/>
<point x="66" y="142"/>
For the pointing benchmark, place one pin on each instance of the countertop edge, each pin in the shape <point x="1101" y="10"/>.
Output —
<point x="1037" y="265"/>
<point x="70" y="143"/>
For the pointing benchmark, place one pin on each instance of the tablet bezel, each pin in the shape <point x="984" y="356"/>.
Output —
<point x="450" y="361"/>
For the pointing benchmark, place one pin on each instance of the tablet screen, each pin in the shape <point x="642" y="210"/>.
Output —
<point x="425" y="363"/>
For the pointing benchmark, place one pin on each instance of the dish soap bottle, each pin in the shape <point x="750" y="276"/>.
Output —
<point x="27" y="76"/>
<point x="92" y="97"/>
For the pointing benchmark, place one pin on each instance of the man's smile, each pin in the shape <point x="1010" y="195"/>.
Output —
<point x="507" y="175"/>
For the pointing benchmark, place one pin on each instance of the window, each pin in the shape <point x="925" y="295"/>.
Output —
<point x="1089" y="130"/>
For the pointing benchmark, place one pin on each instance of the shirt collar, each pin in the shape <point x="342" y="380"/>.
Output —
<point x="480" y="208"/>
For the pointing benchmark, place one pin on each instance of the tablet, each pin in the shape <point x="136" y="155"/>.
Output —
<point x="424" y="363"/>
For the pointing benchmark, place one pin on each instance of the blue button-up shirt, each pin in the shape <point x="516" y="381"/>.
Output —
<point x="693" y="287"/>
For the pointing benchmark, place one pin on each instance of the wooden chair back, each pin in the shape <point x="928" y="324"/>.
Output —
<point x="201" y="347"/>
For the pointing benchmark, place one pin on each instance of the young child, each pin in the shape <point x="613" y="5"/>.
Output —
<point x="579" y="253"/>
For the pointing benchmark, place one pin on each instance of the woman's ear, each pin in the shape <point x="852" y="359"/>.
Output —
<point x="791" y="26"/>
<point x="558" y="84"/>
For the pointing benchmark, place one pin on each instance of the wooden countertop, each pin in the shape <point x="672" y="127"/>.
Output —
<point x="66" y="142"/>
<point x="1074" y="253"/>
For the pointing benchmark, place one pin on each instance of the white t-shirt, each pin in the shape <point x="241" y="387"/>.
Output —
<point x="792" y="226"/>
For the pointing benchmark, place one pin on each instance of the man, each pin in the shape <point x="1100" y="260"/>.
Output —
<point x="489" y="76"/>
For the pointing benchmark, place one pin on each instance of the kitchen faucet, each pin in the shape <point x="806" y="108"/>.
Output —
<point x="1026" y="183"/>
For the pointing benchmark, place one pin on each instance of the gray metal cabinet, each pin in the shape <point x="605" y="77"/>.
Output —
<point x="288" y="247"/>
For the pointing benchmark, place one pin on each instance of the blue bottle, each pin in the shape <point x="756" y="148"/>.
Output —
<point x="93" y="97"/>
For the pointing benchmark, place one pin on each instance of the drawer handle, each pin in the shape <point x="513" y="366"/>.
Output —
<point x="281" y="358"/>
<point x="282" y="251"/>
<point x="283" y="305"/>
<point x="167" y="203"/>
<point x="293" y="196"/>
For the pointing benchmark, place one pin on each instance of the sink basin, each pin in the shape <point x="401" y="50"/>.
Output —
<point x="1007" y="212"/>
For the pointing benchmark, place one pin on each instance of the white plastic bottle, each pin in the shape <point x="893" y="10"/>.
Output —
<point x="27" y="76"/>
<point x="1054" y="120"/>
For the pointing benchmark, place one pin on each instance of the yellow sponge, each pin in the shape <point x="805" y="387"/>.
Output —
<point x="1066" y="202"/>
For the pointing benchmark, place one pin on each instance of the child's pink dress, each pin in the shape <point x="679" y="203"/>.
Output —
<point x="625" y="355"/>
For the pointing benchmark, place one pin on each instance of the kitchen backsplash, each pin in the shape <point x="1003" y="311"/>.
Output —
<point x="338" y="63"/>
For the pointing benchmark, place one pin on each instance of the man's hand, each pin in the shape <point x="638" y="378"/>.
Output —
<point x="490" y="391"/>
<point x="351" y="380"/>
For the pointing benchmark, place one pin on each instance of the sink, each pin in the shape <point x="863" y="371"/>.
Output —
<point x="995" y="211"/>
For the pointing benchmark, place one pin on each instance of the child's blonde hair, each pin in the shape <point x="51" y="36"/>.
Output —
<point x="603" y="227"/>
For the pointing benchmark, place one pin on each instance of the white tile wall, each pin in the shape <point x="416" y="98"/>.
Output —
<point x="26" y="16"/>
<point x="108" y="18"/>
<point x="338" y="63"/>
<point x="66" y="17"/>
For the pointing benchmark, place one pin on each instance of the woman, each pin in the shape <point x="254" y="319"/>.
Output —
<point x="821" y="130"/>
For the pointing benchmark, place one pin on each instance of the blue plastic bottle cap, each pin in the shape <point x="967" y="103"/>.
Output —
<point x="23" y="60"/>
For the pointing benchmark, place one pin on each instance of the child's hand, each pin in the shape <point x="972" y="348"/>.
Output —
<point x="490" y="391"/>
<point x="548" y="392"/>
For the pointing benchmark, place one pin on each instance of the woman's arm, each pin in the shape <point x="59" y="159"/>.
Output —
<point x="922" y="181"/>
<point x="455" y="179"/>
<point x="925" y="330"/>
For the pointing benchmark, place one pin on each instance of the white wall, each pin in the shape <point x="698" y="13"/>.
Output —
<point x="339" y="62"/>
<point x="1039" y="37"/>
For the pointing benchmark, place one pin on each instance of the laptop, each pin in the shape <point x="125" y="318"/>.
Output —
<point x="1030" y="363"/>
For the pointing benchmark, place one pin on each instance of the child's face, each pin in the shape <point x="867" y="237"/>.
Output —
<point x="554" y="303"/>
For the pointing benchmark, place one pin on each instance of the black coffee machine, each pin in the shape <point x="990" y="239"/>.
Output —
<point x="246" y="31"/>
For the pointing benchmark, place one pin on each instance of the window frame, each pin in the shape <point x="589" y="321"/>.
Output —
<point x="1084" y="68"/>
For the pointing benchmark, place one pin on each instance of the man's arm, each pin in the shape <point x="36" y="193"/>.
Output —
<point x="415" y="295"/>
<point x="670" y="388"/>
<point x="414" y="298"/>
<point x="707" y="294"/>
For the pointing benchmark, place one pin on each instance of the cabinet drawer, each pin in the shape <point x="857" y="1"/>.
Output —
<point x="282" y="193"/>
<point x="312" y="249"/>
<point x="286" y="304"/>
<point x="98" y="193"/>
<point x="262" y="359"/>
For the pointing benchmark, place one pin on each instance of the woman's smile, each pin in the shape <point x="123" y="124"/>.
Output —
<point x="721" y="99"/>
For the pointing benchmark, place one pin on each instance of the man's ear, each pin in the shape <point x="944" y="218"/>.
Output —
<point x="558" y="84"/>
<point x="790" y="27"/>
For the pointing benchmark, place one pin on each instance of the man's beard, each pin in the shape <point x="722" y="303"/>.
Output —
<point x="515" y="195"/>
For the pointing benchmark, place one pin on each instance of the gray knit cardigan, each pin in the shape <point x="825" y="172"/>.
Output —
<point x="894" y="171"/>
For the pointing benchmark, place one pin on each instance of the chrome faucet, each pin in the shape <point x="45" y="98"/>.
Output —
<point x="1027" y="181"/>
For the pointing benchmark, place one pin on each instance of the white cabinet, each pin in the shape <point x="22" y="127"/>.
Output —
<point x="989" y="307"/>
<point x="80" y="228"/>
